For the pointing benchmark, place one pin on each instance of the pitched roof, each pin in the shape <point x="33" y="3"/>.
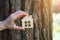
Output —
<point x="28" y="18"/>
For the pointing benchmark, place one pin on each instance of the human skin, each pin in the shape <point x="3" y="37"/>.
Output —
<point x="8" y="23"/>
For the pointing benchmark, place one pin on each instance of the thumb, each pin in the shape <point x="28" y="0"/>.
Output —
<point x="19" y="28"/>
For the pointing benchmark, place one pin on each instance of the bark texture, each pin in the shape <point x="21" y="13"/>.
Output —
<point x="42" y="15"/>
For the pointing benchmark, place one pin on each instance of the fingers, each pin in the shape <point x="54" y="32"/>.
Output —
<point x="23" y="14"/>
<point x="18" y="14"/>
<point x="17" y="28"/>
<point x="20" y="28"/>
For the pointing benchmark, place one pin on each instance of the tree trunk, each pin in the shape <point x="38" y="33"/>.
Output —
<point x="42" y="15"/>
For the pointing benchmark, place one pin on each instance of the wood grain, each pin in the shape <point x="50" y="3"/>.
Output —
<point x="42" y="15"/>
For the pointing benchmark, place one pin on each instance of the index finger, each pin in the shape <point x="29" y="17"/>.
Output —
<point x="19" y="14"/>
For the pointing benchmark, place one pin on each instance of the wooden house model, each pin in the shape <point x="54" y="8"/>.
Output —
<point x="27" y="22"/>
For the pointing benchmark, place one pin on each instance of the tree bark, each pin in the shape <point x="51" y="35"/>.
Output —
<point x="42" y="15"/>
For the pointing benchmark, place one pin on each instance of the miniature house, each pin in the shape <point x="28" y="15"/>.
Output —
<point x="27" y="22"/>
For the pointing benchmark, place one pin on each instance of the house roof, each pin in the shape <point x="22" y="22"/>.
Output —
<point x="28" y="18"/>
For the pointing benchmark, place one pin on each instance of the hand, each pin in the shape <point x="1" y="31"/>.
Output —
<point x="9" y="22"/>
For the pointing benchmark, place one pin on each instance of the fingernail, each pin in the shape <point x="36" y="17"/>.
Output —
<point x="23" y="28"/>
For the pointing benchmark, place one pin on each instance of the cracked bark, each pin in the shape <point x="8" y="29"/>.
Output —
<point x="42" y="15"/>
